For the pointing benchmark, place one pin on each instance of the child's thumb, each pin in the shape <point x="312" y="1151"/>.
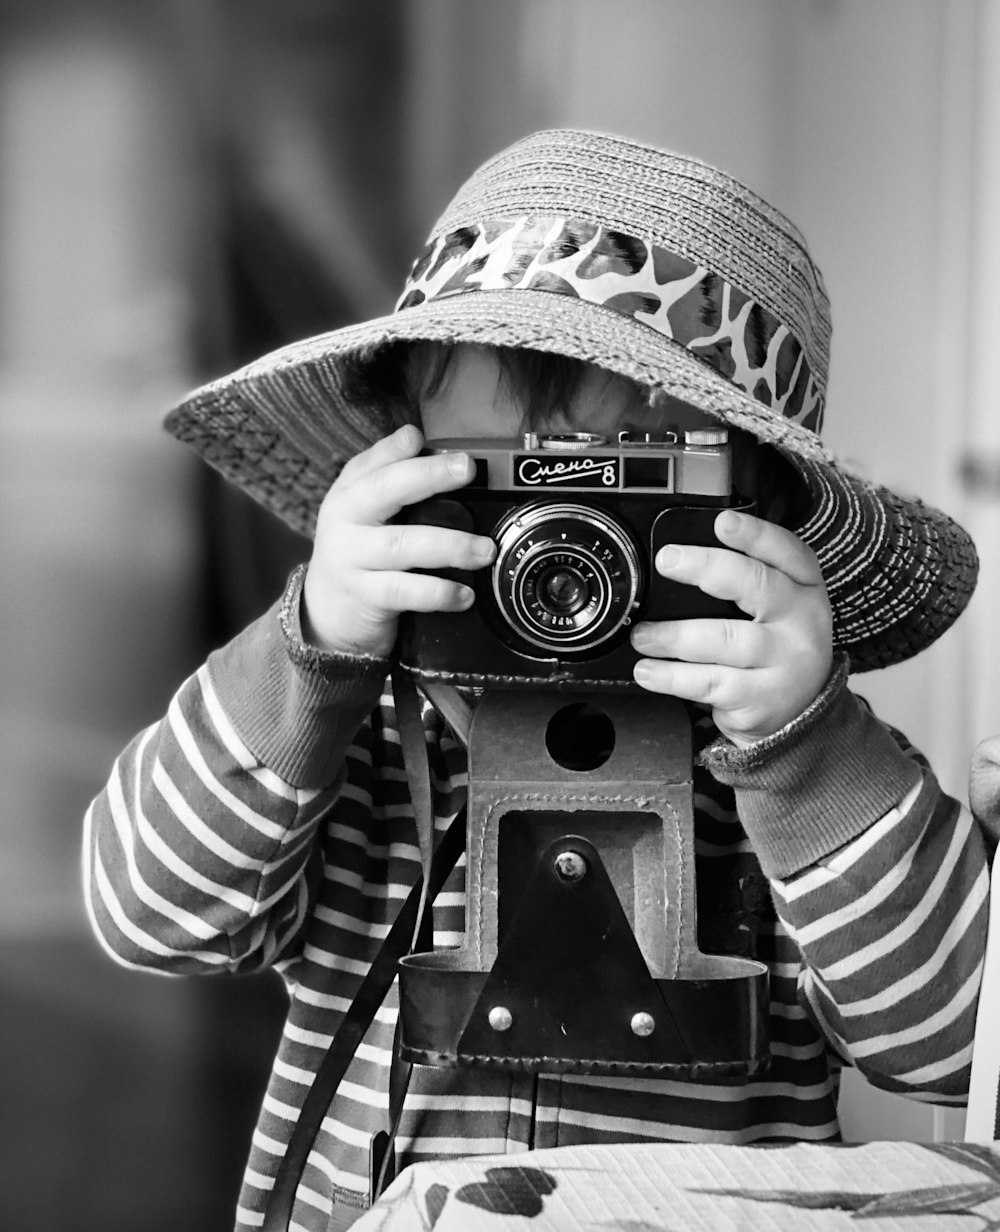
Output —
<point x="984" y="784"/>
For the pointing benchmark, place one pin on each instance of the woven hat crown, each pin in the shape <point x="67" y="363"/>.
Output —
<point x="676" y="203"/>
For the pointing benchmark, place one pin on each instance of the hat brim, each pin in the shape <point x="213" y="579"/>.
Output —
<point x="898" y="572"/>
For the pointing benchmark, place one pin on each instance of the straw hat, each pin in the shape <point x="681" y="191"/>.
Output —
<point x="654" y="266"/>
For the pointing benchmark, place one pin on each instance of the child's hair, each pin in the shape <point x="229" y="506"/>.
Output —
<point x="400" y="375"/>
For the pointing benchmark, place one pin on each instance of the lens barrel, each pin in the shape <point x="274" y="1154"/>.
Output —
<point x="566" y="576"/>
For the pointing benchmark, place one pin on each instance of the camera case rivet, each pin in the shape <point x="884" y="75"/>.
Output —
<point x="571" y="866"/>
<point x="500" y="1018"/>
<point x="643" y="1024"/>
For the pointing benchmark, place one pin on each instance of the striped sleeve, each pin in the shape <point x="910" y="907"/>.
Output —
<point x="881" y="880"/>
<point x="199" y="854"/>
<point x="892" y="927"/>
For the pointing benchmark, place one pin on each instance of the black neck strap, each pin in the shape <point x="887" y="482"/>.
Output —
<point x="438" y="859"/>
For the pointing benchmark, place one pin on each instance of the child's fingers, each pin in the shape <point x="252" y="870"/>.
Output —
<point x="402" y="547"/>
<point x="389" y="593"/>
<point x="405" y="442"/>
<point x="754" y="587"/>
<point x="380" y="496"/>
<point x="729" y="643"/>
<point x="770" y="544"/>
<point x="708" y="683"/>
<point x="984" y="780"/>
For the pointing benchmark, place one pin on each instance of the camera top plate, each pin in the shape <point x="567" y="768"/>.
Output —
<point x="699" y="465"/>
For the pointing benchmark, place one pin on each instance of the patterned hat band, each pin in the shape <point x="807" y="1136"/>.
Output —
<point x="737" y="336"/>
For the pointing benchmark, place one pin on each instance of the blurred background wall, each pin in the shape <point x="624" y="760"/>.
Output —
<point x="185" y="184"/>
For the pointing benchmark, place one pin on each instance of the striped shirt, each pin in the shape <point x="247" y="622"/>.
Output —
<point x="265" y="822"/>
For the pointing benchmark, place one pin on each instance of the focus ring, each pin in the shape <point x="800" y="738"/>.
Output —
<point x="545" y="546"/>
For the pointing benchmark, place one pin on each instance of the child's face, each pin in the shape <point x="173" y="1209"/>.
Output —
<point x="473" y="402"/>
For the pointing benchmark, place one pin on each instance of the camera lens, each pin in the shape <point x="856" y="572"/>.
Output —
<point x="562" y="590"/>
<point x="566" y="576"/>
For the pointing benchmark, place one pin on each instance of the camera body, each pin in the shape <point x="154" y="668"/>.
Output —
<point x="577" y="520"/>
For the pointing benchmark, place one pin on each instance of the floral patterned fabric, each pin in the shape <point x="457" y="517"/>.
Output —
<point x="875" y="1187"/>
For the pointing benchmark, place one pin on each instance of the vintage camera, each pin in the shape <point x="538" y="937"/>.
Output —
<point x="577" y="520"/>
<point x="581" y="949"/>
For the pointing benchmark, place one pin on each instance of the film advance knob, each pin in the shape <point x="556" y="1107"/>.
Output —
<point x="706" y="436"/>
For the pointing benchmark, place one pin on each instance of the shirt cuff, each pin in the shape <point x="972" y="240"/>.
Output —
<point x="296" y="707"/>
<point x="818" y="783"/>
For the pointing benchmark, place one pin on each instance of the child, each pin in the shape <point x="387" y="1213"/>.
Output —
<point x="577" y="281"/>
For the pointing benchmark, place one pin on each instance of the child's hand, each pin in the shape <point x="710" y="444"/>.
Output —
<point x="759" y="674"/>
<point x="984" y="785"/>
<point x="360" y="576"/>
